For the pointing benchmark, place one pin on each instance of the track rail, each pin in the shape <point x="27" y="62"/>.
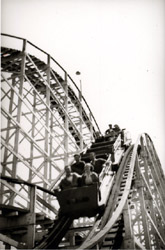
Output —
<point x="109" y="233"/>
<point x="59" y="229"/>
<point x="118" y="198"/>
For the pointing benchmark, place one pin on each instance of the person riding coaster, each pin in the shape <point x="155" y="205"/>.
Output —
<point x="80" y="197"/>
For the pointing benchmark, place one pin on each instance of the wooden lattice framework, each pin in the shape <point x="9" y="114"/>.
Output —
<point x="44" y="118"/>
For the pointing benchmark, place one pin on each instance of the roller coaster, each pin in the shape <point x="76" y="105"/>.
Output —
<point x="45" y="120"/>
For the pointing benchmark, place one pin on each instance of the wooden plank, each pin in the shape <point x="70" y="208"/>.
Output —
<point x="32" y="219"/>
<point x="15" y="191"/>
<point x="20" y="157"/>
<point x="140" y="190"/>
<point x="128" y="236"/>
<point x="13" y="208"/>
<point x="47" y="205"/>
<point x="6" y="239"/>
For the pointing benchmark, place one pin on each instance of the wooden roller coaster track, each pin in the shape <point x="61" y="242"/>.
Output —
<point x="45" y="120"/>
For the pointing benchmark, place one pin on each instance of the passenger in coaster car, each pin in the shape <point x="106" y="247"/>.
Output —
<point x="110" y="134"/>
<point x="78" y="165"/>
<point x="70" y="179"/>
<point x="109" y="130"/>
<point x="98" y="163"/>
<point x="89" y="177"/>
<point x="99" y="137"/>
<point x="117" y="129"/>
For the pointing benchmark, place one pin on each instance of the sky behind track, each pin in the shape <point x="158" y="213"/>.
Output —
<point x="117" y="45"/>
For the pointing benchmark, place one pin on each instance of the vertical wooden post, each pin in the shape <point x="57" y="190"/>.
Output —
<point x="46" y="146"/>
<point x="140" y="189"/>
<point x="91" y="126"/>
<point x="97" y="247"/>
<point x="19" y="113"/>
<point x="72" y="239"/>
<point x="50" y="151"/>
<point x="7" y="246"/>
<point x="66" y="124"/>
<point x="32" y="134"/>
<point x="31" y="219"/>
<point x="128" y="238"/>
<point x="19" y="109"/>
<point x="80" y="117"/>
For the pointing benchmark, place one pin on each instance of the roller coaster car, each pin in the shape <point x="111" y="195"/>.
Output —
<point x="79" y="201"/>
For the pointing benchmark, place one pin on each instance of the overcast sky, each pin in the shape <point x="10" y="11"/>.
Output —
<point x="117" y="45"/>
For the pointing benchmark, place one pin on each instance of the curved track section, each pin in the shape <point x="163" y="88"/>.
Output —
<point x="134" y="217"/>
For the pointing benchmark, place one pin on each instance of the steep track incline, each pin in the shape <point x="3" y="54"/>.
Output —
<point x="115" y="205"/>
<point x="133" y="196"/>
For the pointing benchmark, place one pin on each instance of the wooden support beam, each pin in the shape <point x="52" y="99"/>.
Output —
<point x="26" y="163"/>
<point x="138" y="244"/>
<point x="47" y="131"/>
<point x="80" y="117"/>
<point x="31" y="219"/>
<point x="19" y="110"/>
<point x="140" y="189"/>
<point x="9" y="241"/>
<point x="151" y="211"/>
<point x="56" y="99"/>
<point x="9" y="222"/>
<point x="157" y="231"/>
<point x="66" y="123"/>
<point x="14" y="190"/>
<point x="128" y="237"/>
<point x="9" y="123"/>
<point x="22" y="130"/>
<point x="47" y="205"/>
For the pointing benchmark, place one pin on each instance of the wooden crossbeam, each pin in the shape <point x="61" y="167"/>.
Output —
<point x="15" y="190"/>
<point x="26" y="163"/>
<point x="63" y="109"/>
<point x="8" y="240"/>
